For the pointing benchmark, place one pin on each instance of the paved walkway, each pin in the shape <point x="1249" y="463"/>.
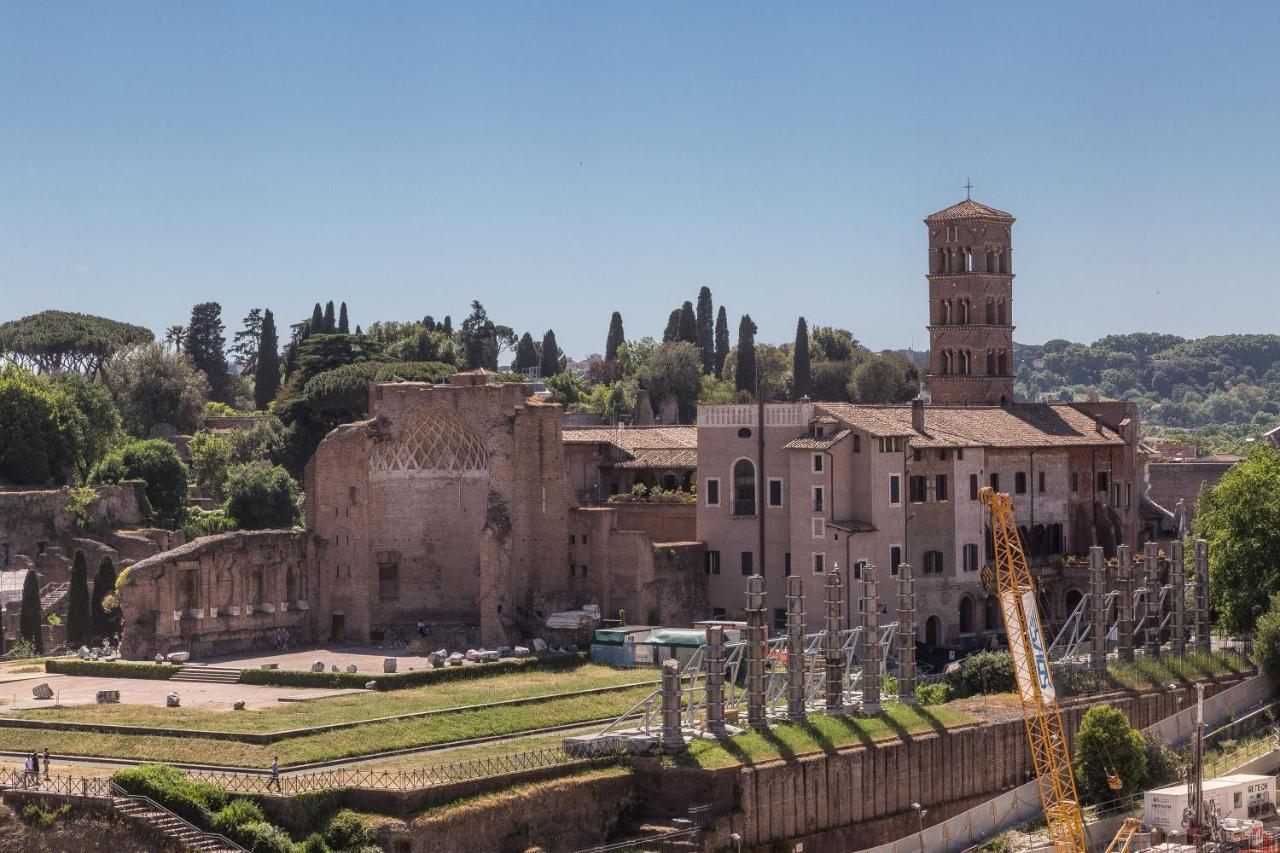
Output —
<point x="81" y="690"/>
<point x="367" y="660"/>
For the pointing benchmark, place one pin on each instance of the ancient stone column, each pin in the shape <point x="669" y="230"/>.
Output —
<point x="906" y="636"/>
<point x="756" y="649"/>
<point x="1178" y="604"/>
<point x="715" y="680"/>
<point x="795" y="648"/>
<point x="1098" y="607"/>
<point x="870" y="641"/>
<point x="833" y="663"/>
<point x="672" y="736"/>
<point x="1202" y="595"/>
<point x="1124" y="611"/>
<point x="1151" y="581"/>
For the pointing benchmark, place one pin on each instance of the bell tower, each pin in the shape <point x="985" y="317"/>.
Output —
<point x="970" y="305"/>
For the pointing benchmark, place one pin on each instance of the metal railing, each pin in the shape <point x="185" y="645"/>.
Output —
<point x="398" y="780"/>
<point x="1242" y="755"/>
<point x="151" y="804"/>
<point x="64" y="786"/>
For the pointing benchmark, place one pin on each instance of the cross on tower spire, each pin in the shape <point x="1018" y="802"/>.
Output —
<point x="968" y="185"/>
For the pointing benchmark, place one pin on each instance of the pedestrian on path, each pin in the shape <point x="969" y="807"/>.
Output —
<point x="46" y="764"/>
<point x="275" y="774"/>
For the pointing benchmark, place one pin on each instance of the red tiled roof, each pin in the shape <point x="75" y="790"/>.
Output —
<point x="658" y="458"/>
<point x="1018" y="425"/>
<point x="969" y="209"/>
<point x="631" y="438"/>
<point x="809" y="442"/>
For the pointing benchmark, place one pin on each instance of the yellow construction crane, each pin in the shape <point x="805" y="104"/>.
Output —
<point x="1040" y="712"/>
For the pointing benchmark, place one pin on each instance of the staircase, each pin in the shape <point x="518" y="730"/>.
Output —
<point x="51" y="597"/>
<point x="209" y="674"/>
<point x="149" y="816"/>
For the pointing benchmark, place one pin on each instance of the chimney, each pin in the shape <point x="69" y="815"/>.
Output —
<point x="917" y="415"/>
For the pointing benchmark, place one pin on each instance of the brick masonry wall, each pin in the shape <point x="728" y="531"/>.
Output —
<point x="1171" y="481"/>
<point x="30" y="518"/>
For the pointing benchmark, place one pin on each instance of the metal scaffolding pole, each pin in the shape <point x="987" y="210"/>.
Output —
<point x="1202" y="595"/>
<point x="870" y="641"/>
<point x="832" y="659"/>
<point x="1178" y="586"/>
<point x="715" y="680"/>
<point x="672" y="736"/>
<point x="1098" y="607"/>
<point x="795" y="648"/>
<point x="906" y="636"/>
<point x="1151" y="595"/>
<point x="756" y="649"/>
<point x="1124" y="611"/>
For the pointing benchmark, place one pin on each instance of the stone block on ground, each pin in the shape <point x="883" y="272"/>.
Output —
<point x="159" y="658"/>
<point x="489" y="656"/>
<point x="371" y="685"/>
<point x="388" y="664"/>
<point x="455" y="659"/>
<point x="318" y="666"/>
<point x="83" y="653"/>
<point x="521" y="651"/>
<point x="178" y="657"/>
<point x="238" y="705"/>
<point x="172" y="701"/>
<point x="42" y="691"/>
<point x="437" y="658"/>
<point x="539" y="645"/>
<point x="108" y="697"/>
<point x="506" y="652"/>
<point x="351" y="667"/>
<point x="333" y="668"/>
<point x="472" y="655"/>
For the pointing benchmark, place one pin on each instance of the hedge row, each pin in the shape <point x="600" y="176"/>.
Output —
<point x="173" y="789"/>
<point x="113" y="669"/>
<point x="416" y="678"/>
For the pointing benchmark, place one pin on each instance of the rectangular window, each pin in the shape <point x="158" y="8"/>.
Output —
<point x="973" y="487"/>
<point x="718" y="613"/>
<point x="786" y="564"/>
<point x="584" y="571"/>
<point x="857" y="571"/>
<point x="895" y="490"/>
<point x="572" y="570"/>
<point x="713" y="491"/>
<point x="959" y="454"/>
<point x="1128" y="495"/>
<point x="933" y="562"/>
<point x="917" y="488"/>
<point x="1115" y="495"/>
<point x="970" y="558"/>
<point x="572" y="539"/>
<point x="584" y="539"/>
<point x="819" y="564"/>
<point x="748" y="563"/>
<point x="917" y="455"/>
<point x="1102" y="481"/>
<point x="940" y="487"/>
<point x="1020" y="482"/>
<point x="995" y="482"/>
<point x="895" y="558"/>
<point x="942" y="455"/>
<point x="712" y="561"/>
<point x="388" y="583"/>
<point x="1075" y="481"/>
<point x="779" y="618"/>
<point x="818" y="528"/>
<point x="820" y="431"/>
<point x="775" y="492"/>
<point x="857" y="443"/>
<point x="818" y="502"/>
<point x="1040" y="481"/>
<point x="817" y="463"/>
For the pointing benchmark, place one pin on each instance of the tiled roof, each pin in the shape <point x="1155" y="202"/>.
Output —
<point x="852" y="525"/>
<point x="969" y="209"/>
<point x="810" y="442"/>
<point x="657" y="458"/>
<point x="631" y="438"/>
<point x="1018" y="425"/>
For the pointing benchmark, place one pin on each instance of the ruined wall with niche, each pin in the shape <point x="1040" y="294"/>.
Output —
<point x="33" y="521"/>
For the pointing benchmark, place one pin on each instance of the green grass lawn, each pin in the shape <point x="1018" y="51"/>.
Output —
<point x="361" y="740"/>
<point x="351" y="707"/>
<point x="821" y="733"/>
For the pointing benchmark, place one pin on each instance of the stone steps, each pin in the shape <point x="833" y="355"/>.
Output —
<point x="209" y="674"/>
<point x="166" y="825"/>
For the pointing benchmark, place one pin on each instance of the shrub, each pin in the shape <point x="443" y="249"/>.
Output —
<point x="39" y="815"/>
<point x="104" y="669"/>
<point x="1266" y="642"/>
<point x="261" y="497"/>
<point x="155" y="462"/>
<point x="1164" y="767"/>
<point x="937" y="693"/>
<point x="174" y="790"/>
<point x="984" y="672"/>
<point x="1107" y="744"/>
<point x="314" y="844"/>
<point x="346" y="831"/>
<point x="262" y="837"/>
<point x="233" y="816"/>
<point x="311" y="810"/>
<point x="402" y="680"/>
<point x="205" y="522"/>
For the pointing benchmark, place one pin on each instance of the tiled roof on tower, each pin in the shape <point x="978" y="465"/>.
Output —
<point x="969" y="209"/>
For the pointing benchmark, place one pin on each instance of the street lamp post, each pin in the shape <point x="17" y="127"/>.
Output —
<point x="920" y="813"/>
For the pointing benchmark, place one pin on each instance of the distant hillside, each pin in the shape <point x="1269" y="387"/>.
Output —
<point x="1220" y="389"/>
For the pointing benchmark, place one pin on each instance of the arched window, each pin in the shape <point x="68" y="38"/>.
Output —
<point x="669" y="481"/>
<point x="991" y="362"/>
<point x="744" y="487"/>
<point x="1006" y="261"/>
<point x="968" y="260"/>
<point x="991" y="614"/>
<point x="966" y="615"/>
<point x="940" y="260"/>
<point x="1002" y="313"/>
<point x="1072" y="600"/>
<point x="933" y="631"/>
<point x="291" y="585"/>
<point x="991" y="260"/>
<point x="991" y="311"/>
<point x="945" y="316"/>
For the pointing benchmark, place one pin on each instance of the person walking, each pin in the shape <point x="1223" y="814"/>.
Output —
<point x="46" y="764"/>
<point x="275" y="775"/>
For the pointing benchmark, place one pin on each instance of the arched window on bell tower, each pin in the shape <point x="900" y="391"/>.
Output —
<point x="990" y="258"/>
<point x="1002" y="312"/>
<point x="991" y="362"/>
<point x="964" y="312"/>
<point x="991" y="311"/>
<point x="1003" y="363"/>
<point x="1006" y="261"/>
<point x="968" y="260"/>
<point x="944" y="312"/>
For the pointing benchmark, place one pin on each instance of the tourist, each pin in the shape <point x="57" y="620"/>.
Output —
<point x="46" y="763"/>
<point x="275" y="774"/>
<point x="422" y="628"/>
<point x="284" y="639"/>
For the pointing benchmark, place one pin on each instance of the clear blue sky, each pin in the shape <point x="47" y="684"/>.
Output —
<point x="562" y="160"/>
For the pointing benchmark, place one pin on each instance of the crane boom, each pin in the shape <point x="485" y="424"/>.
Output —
<point x="1045" y="735"/>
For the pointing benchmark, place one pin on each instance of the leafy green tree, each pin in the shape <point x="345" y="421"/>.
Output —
<point x="261" y="497"/>
<point x="56" y="341"/>
<point x="1164" y="766"/>
<point x="244" y="347"/>
<point x="30" y="618"/>
<point x="152" y="387"/>
<point x="722" y="341"/>
<point x="831" y="344"/>
<point x="175" y="338"/>
<point x="831" y="381"/>
<point x="344" y="326"/>
<point x="100" y="429"/>
<point x="615" y="339"/>
<point x="266" y="377"/>
<point x="479" y="338"/>
<point x="526" y="355"/>
<point x="744" y="376"/>
<point x="675" y="370"/>
<point x="550" y="355"/>
<point x="206" y="344"/>
<point x="106" y="621"/>
<point x="41" y="430"/>
<point x="982" y="673"/>
<point x="79" y="612"/>
<point x="706" y="330"/>
<point x="1240" y="518"/>
<point x="1106" y="744"/>
<point x="800" y="374"/>
<point x="1266" y="639"/>
<point x="688" y="326"/>
<point x="566" y="389"/>
<point x="155" y="462"/>
<point x="421" y="344"/>
<point x="880" y="379"/>
<point x="211" y="460"/>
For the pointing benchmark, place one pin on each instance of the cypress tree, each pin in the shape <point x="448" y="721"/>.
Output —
<point x="615" y="339"/>
<point x="800" y="382"/>
<point x="688" y="331"/>
<point x="722" y="341"/>
<point x="447" y="325"/>
<point x="29" y="620"/>
<point x="290" y="358"/>
<point x="526" y="354"/>
<point x="672" y="332"/>
<point x="706" y="331"/>
<point x="744" y="378"/>
<point x="266" y="378"/>
<point x="104" y="584"/>
<point x="79" y="611"/>
<point x="317" y="320"/>
<point x="206" y="344"/>
<point x="429" y="323"/>
<point x="550" y="354"/>
<point x="359" y="334"/>
<point x="330" y="324"/>
<point x="343" y="326"/>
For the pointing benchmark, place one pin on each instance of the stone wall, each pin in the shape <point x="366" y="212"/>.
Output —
<point x="32" y="521"/>
<point x="218" y="595"/>
<point x="660" y="522"/>
<point x="1173" y="481"/>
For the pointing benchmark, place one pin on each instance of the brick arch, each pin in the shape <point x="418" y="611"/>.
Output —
<point x="432" y="441"/>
